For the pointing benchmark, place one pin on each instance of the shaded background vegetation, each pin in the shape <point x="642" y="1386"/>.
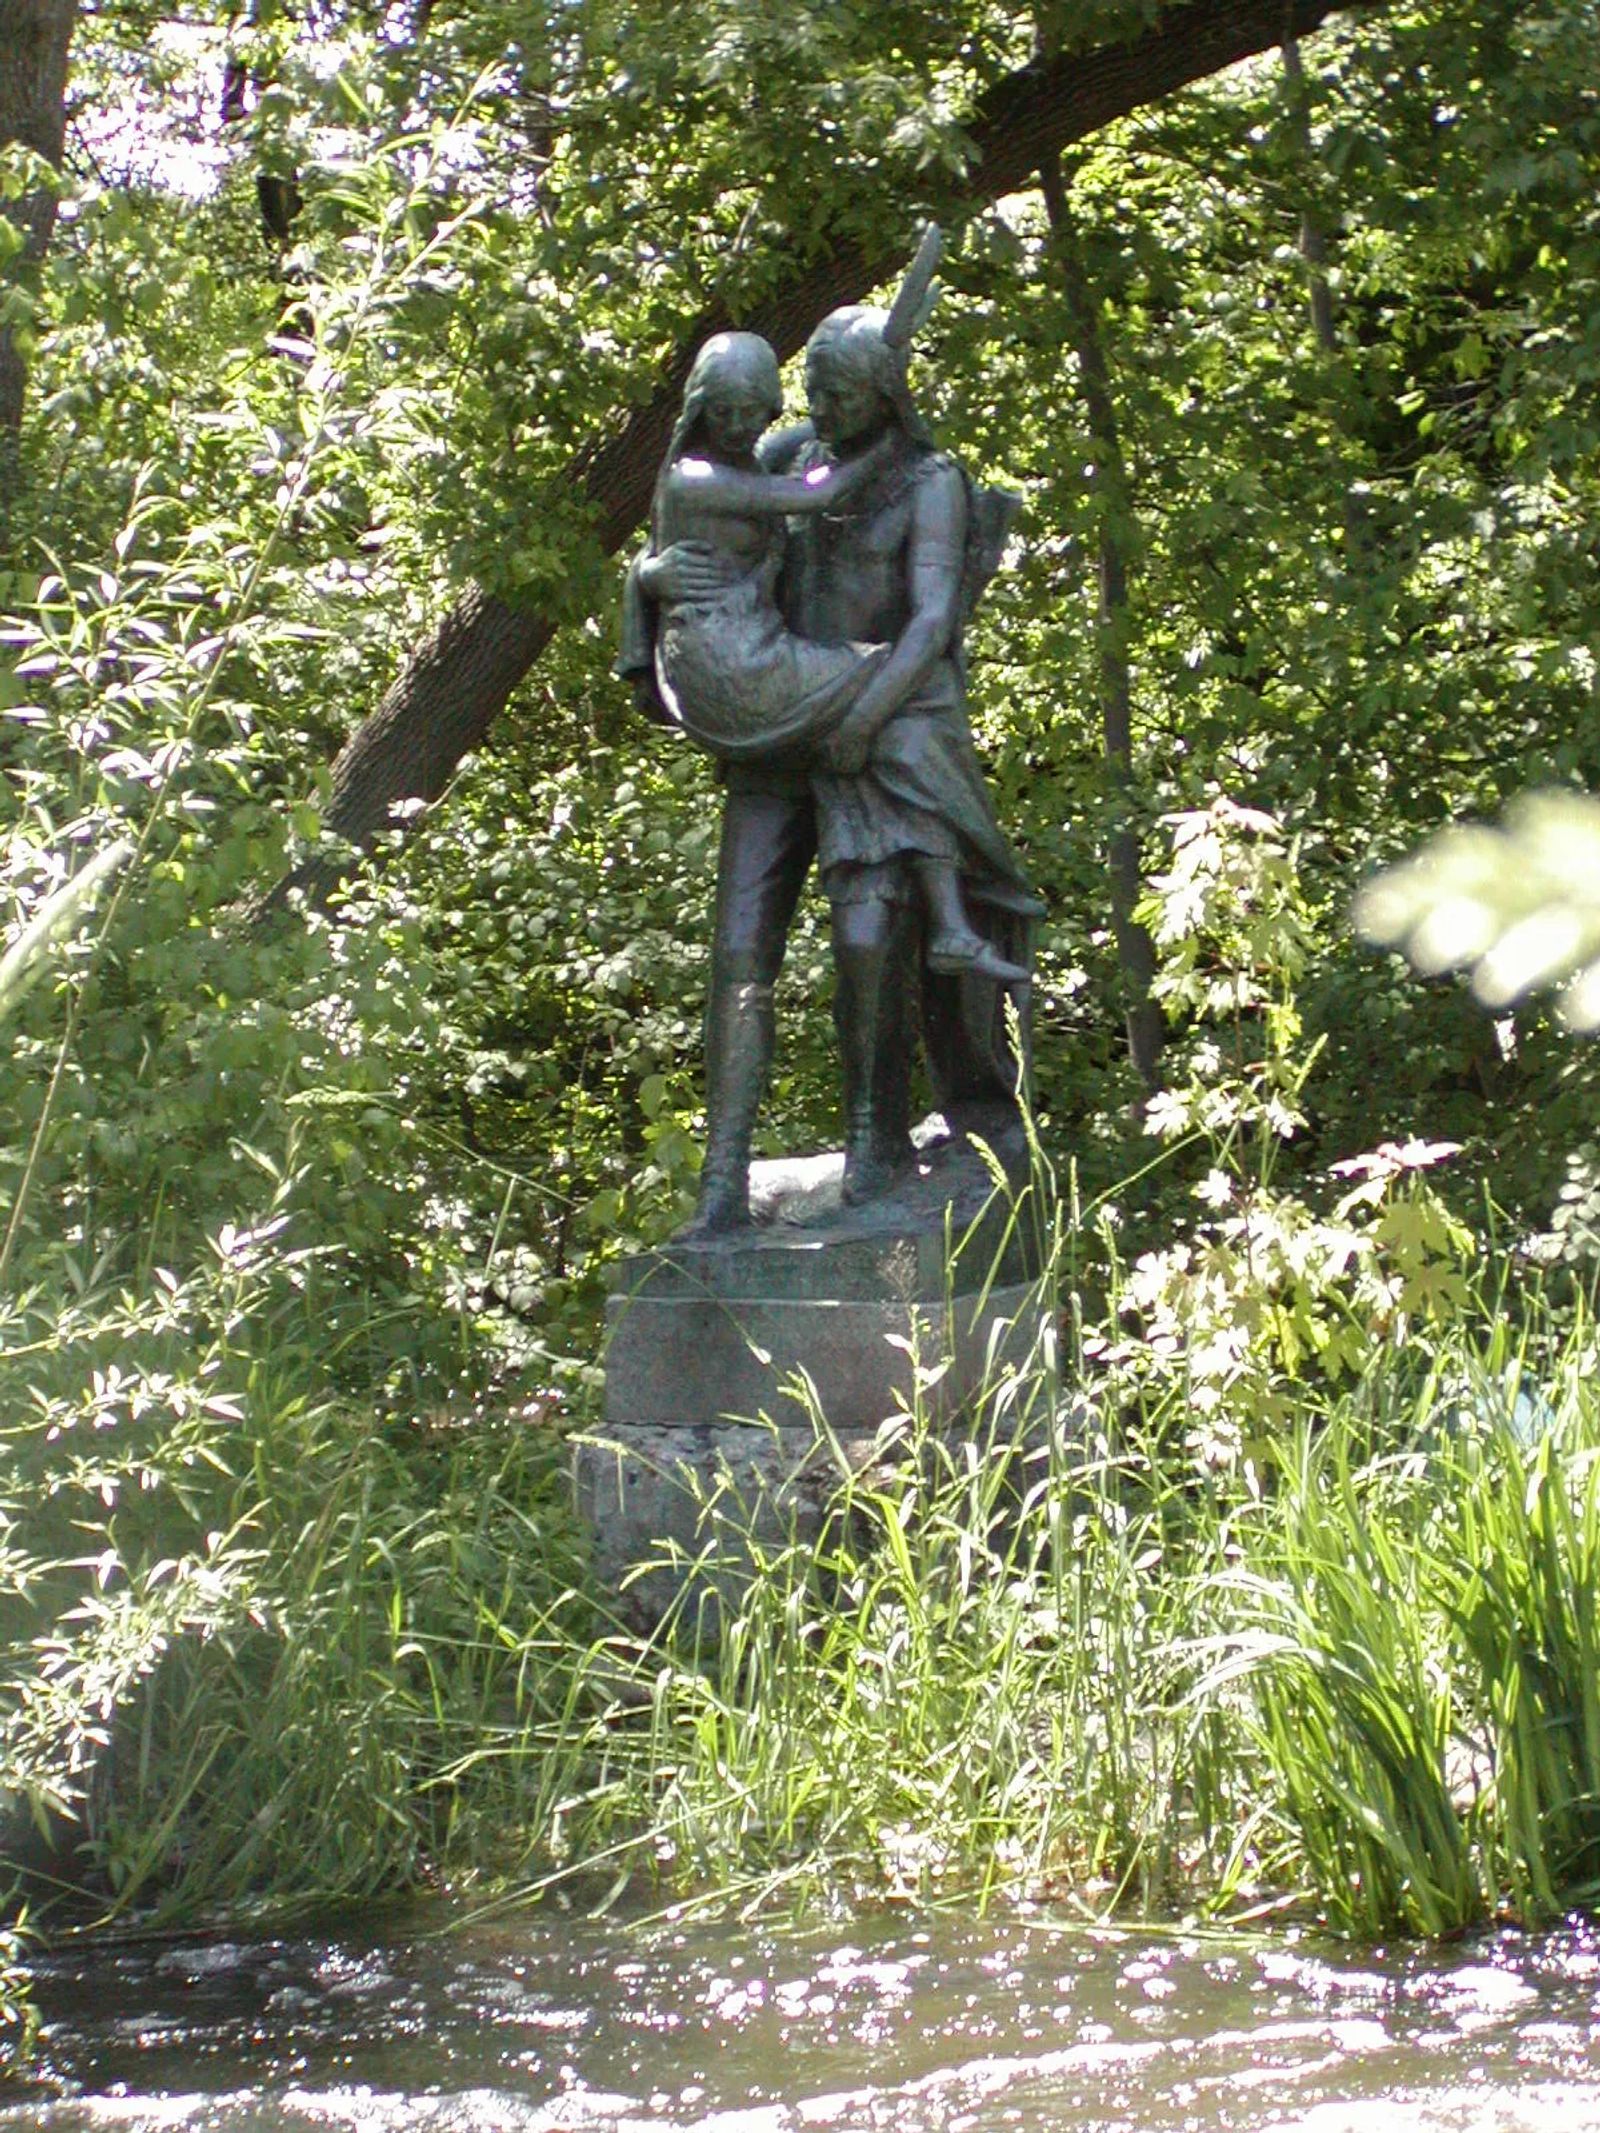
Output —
<point x="346" y="362"/>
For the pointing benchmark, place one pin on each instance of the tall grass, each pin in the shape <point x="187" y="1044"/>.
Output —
<point x="1356" y="1683"/>
<point x="1331" y="1626"/>
<point x="1521" y="1598"/>
<point x="260" y="1650"/>
<point x="253" y="1639"/>
<point x="19" y="2019"/>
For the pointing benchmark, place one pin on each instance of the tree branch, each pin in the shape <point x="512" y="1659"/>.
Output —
<point x="444" y="701"/>
<point x="1136" y="954"/>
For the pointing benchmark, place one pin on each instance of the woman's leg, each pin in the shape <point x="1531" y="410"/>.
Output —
<point x="953" y="942"/>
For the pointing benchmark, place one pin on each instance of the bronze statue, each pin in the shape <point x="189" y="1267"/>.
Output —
<point x="843" y="736"/>
<point x="726" y="669"/>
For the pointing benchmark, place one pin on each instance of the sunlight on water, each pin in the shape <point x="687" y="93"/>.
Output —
<point x="538" y="2027"/>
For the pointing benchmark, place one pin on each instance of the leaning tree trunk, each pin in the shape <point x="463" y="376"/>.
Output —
<point x="34" y="36"/>
<point x="445" y="699"/>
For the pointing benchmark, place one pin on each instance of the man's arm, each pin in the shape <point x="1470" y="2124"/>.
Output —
<point x="777" y="450"/>
<point x="636" y="657"/>
<point x="936" y="558"/>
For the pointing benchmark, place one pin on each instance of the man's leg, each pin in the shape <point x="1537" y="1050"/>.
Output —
<point x="768" y="838"/>
<point x="874" y="952"/>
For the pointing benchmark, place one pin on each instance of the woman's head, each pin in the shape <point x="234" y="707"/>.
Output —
<point x="732" y="395"/>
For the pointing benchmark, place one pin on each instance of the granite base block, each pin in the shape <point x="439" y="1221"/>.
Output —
<point x="686" y="1361"/>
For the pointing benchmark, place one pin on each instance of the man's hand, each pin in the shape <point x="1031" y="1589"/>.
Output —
<point x="847" y="751"/>
<point x="649" y="703"/>
<point x="688" y="570"/>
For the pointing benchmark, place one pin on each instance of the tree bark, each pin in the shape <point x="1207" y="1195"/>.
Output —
<point x="447" y="696"/>
<point x="1136" y="953"/>
<point x="34" y="37"/>
<point x="1313" y="237"/>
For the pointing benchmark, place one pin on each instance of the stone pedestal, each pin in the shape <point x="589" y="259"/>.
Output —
<point x="725" y="1357"/>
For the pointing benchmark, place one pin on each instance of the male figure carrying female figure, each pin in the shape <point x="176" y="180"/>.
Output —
<point x="726" y="668"/>
<point x="872" y="770"/>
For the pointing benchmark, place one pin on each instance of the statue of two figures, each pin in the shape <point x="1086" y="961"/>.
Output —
<point x="799" y="612"/>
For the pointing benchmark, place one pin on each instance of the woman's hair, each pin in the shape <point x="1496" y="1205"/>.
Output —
<point x="728" y="359"/>
<point x="742" y="360"/>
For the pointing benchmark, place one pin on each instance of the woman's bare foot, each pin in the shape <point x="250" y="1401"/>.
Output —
<point x="957" y="952"/>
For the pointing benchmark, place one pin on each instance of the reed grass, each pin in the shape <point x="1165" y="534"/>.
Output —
<point x="1356" y="1683"/>
<point x="263" y="1654"/>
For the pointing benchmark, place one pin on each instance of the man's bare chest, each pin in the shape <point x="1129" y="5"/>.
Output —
<point x="848" y="574"/>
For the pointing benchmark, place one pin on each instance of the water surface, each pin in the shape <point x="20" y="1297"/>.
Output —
<point x="900" y="2026"/>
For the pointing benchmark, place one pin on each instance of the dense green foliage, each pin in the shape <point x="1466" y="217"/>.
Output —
<point x="306" y="1222"/>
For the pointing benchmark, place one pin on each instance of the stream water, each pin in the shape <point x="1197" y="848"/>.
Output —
<point x="538" y="2025"/>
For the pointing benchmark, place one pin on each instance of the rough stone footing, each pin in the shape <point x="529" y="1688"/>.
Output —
<point x="676" y="1503"/>
<point x="725" y="1351"/>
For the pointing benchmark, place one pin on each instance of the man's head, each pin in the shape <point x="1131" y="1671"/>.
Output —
<point x="855" y="382"/>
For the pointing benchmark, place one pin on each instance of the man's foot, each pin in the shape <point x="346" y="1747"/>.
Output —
<point x="724" y="1207"/>
<point x="953" y="953"/>
<point x="870" y="1170"/>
